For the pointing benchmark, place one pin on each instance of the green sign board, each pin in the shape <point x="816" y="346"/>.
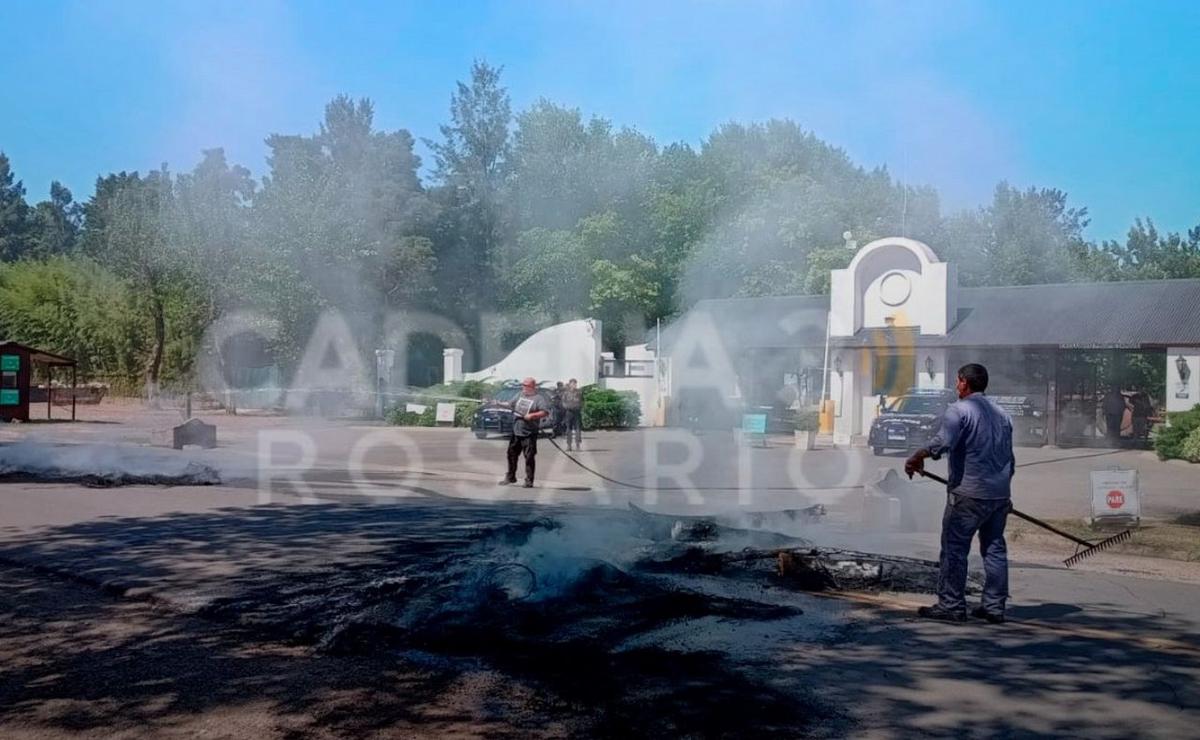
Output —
<point x="10" y="397"/>
<point x="10" y="363"/>
<point x="754" y="423"/>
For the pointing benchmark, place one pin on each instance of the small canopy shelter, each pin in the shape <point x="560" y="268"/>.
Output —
<point x="16" y="377"/>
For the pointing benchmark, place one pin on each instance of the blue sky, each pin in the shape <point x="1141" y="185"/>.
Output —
<point x="1101" y="99"/>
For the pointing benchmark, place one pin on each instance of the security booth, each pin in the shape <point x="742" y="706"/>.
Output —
<point x="1076" y="364"/>
<point x="17" y="393"/>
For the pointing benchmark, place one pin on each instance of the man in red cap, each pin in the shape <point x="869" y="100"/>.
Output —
<point x="528" y="410"/>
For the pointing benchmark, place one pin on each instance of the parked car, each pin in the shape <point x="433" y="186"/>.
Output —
<point x="910" y="421"/>
<point x="1028" y="418"/>
<point x="494" y="417"/>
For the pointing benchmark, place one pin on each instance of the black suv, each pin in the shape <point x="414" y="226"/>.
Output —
<point x="493" y="417"/>
<point x="910" y="421"/>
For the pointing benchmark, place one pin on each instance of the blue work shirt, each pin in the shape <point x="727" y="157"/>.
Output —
<point x="978" y="435"/>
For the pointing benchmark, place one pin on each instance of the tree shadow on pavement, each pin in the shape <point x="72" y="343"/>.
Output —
<point x="240" y="590"/>
<point x="907" y="678"/>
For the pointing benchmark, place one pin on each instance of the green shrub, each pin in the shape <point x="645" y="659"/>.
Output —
<point x="1169" y="439"/>
<point x="478" y="389"/>
<point x="1190" y="449"/>
<point x="464" y="413"/>
<point x="604" y="408"/>
<point x="401" y="418"/>
<point x="75" y="307"/>
<point x="807" y="421"/>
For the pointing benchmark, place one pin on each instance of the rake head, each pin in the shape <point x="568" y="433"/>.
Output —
<point x="1116" y="539"/>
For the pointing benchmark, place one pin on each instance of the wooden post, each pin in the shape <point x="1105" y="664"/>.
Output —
<point x="49" y="388"/>
<point x="74" y="390"/>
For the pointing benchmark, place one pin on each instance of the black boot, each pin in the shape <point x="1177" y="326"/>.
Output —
<point x="942" y="615"/>
<point x="980" y="613"/>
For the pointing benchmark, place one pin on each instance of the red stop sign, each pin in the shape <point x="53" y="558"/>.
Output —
<point x="1115" y="499"/>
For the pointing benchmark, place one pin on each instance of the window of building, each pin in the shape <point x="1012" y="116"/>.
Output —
<point x="894" y="374"/>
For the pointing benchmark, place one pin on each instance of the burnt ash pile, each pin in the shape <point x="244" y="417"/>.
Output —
<point x="574" y="604"/>
<point x="701" y="545"/>
<point x="193" y="474"/>
<point x="570" y="624"/>
<point x="602" y="576"/>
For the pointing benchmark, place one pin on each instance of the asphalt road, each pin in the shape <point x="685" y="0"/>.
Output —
<point x="114" y="616"/>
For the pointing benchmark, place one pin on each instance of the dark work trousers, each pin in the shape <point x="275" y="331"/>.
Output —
<point x="517" y="446"/>
<point x="1113" y="422"/>
<point x="962" y="519"/>
<point x="574" y="425"/>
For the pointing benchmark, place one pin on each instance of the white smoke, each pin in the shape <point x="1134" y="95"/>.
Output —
<point x="110" y="462"/>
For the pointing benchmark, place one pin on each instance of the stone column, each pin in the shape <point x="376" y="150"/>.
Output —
<point x="452" y="365"/>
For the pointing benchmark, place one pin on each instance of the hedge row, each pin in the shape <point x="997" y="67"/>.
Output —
<point x="464" y="413"/>
<point x="603" y="408"/>
<point x="1180" y="438"/>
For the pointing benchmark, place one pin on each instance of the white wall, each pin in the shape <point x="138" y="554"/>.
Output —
<point x="897" y="278"/>
<point x="559" y="352"/>
<point x="843" y="391"/>
<point x="939" y="368"/>
<point x="646" y="388"/>
<point x="1182" y="395"/>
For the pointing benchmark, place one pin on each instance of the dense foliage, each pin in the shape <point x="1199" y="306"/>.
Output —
<point x="807" y="420"/>
<point x="605" y="408"/>
<point x="1179" y="439"/>
<point x="1190" y="449"/>
<point x="540" y="216"/>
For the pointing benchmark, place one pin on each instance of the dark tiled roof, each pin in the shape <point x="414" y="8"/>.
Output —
<point x="1131" y="313"/>
<point x="1083" y="315"/>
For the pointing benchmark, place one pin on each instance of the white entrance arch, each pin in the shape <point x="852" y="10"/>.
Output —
<point x="894" y="281"/>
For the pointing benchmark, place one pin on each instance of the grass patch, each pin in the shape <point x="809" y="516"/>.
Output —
<point x="1169" y="540"/>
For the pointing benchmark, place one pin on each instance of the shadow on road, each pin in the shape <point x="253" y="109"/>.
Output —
<point x="254" y="595"/>
<point x="245" y="588"/>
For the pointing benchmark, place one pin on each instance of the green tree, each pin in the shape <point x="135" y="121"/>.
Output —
<point x="623" y="295"/>
<point x="76" y="307"/>
<point x="547" y="275"/>
<point x="550" y="185"/>
<point x="210" y="227"/>
<point x="343" y="221"/>
<point x="471" y="164"/>
<point x="127" y="228"/>
<point x="1034" y="235"/>
<point x="14" y="214"/>
<point x="1146" y="254"/>
<point x="55" y="223"/>
<point x="783" y="199"/>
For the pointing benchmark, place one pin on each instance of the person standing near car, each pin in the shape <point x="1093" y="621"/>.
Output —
<point x="556" y="402"/>
<point x="529" y="409"/>
<point x="978" y="436"/>
<point x="572" y="401"/>
<point x="1114" y="414"/>
<point x="1142" y="410"/>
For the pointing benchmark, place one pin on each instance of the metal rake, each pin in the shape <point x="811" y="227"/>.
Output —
<point x="1089" y="548"/>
